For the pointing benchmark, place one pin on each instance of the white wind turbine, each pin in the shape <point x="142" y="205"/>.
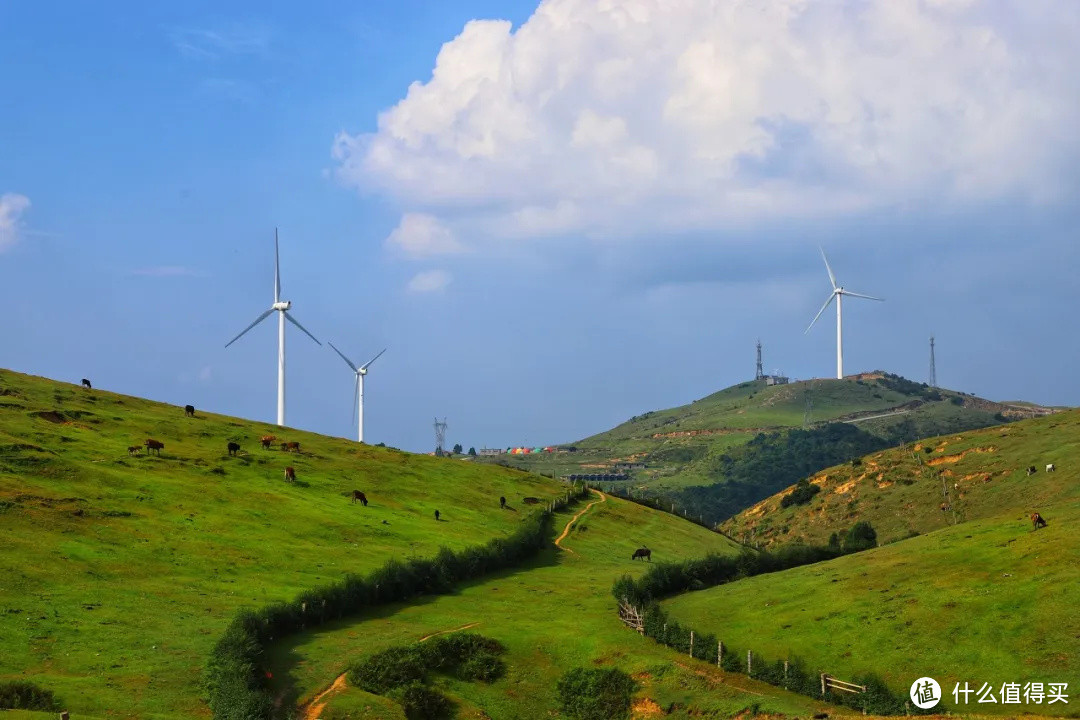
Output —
<point x="358" y="394"/>
<point x="282" y="308"/>
<point x="837" y="294"/>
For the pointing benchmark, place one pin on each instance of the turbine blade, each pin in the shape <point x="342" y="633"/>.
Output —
<point x="257" y="321"/>
<point x="355" y="398"/>
<point x="347" y="360"/>
<point x="277" y="269"/>
<point x="365" y="365"/>
<point x="831" y="296"/>
<point x="832" y="278"/>
<point x="291" y="319"/>
<point x="868" y="297"/>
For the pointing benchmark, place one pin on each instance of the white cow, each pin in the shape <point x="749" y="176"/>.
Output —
<point x="1050" y="467"/>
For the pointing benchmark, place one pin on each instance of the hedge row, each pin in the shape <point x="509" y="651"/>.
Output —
<point x="877" y="700"/>
<point x="235" y="677"/>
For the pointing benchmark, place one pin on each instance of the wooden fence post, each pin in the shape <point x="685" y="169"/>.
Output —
<point x="749" y="662"/>
<point x="823" y="678"/>
<point x="719" y="652"/>
<point x="691" y="643"/>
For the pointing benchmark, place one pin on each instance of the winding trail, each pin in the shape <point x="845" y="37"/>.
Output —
<point x="315" y="707"/>
<point x="566" y="530"/>
<point x="444" y="632"/>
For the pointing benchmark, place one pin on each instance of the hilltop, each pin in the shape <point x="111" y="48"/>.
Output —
<point x="963" y="590"/>
<point x="724" y="452"/>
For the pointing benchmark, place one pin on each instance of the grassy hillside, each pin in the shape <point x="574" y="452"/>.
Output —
<point x="555" y="614"/>
<point x="978" y="596"/>
<point x="119" y="572"/>
<point x="688" y="446"/>
<point x="902" y="491"/>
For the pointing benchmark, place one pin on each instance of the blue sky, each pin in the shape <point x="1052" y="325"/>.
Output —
<point x="557" y="223"/>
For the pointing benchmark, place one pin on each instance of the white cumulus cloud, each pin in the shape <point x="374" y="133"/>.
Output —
<point x="12" y="206"/>
<point x="421" y="235"/>
<point x="429" y="281"/>
<point x="622" y="117"/>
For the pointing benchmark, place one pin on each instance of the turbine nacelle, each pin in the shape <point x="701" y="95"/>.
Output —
<point x="281" y="305"/>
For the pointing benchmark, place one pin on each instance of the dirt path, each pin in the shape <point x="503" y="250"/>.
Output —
<point x="315" y="707"/>
<point x="566" y="530"/>
<point x="443" y="632"/>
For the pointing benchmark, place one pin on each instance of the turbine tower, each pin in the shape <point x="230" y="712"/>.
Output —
<point x="838" y="293"/>
<point x="933" y="370"/>
<point x="282" y="309"/>
<point x="358" y="393"/>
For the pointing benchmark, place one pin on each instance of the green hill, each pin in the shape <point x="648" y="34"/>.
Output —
<point x="119" y="572"/>
<point x="976" y="596"/>
<point x="722" y="453"/>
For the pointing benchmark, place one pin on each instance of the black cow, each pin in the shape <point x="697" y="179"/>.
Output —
<point x="502" y="501"/>
<point x="357" y="495"/>
<point x="1031" y="470"/>
<point x="234" y="448"/>
<point x="436" y="516"/>
<point x="642" y="552"/>
<point x="189" y="410"/>
<point x="86" y="384"/>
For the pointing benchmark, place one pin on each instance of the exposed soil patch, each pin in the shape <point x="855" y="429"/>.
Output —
<point x="50" y="416"/>
<point x="949" y="459"/>
<point x="646" y="708"/>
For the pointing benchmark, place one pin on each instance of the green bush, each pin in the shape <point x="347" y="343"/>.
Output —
<point x="483" y="666"/>
<point x="861" y="536"/>
<point x="389" y="669"/>
<point x="596" y="693"/>
<point x="423" y="703"/>
<point x="20" y="695"/>
<point x="803" y="493"/>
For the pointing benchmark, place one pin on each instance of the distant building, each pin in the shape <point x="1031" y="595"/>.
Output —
<point x="491" y="451"/>
<point x="776" y="380"/>
<point x="629" y="466"/>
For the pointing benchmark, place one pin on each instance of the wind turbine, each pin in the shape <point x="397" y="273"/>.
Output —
<point x="838" y="293"/>
<point x="358" y="394"/>
<point x="282" y="308"/>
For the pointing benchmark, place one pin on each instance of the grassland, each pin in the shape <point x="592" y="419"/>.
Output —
<point x="978" y="596"/>
<point x="118" y="573"/>
<point x="901" y="491"/>
<point x="554" y="614"/>
<point x="681" y="446"/>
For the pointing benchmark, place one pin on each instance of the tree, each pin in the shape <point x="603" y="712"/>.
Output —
<point x="457" y="449"/>
<point x="861" y="536"/>
<point x="472" y="451"/>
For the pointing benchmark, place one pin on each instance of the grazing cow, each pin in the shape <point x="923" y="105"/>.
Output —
<point x="86" y="384"/>
<point x="266" y="440"/>
<point x="234" y="448"/>
<point x="357" y="495"/>
<point x="189" y="410"/>
<point x="1037" y="521"/>
<point x="642" y="552"/>
<point x="290" y="474"/>
<point x="154" y="445"/>
<point x="1050" y="467"/>
<point x="502" y="502"/>
<point x="1031" y="470"/>
<point x="287" y="446"/>
<point x="134" y="449"/>
<point x="945" y="507"/>
<point x="436" y="516"/>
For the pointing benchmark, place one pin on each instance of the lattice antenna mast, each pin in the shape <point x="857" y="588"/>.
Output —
<point x="759" y="374"/>
<point x="440" y="435"/>
<point x="933" y="369"/>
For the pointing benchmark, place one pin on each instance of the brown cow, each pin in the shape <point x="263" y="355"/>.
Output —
<point x="266" y="440"/>
<point x="154" y="445"/>
<point x="134" y="449"/>
<point x="357" y="495"/>
<point x="642" y="552"/>
<point x="287" y="446"/>
<point x="1037" y="521"/>
<point x="290" y="474"/>
<point x="234" y="448"/>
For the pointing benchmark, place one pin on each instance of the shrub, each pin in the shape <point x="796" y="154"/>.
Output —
<point x="596" y="693"/>
<point x="483" y="666"/>
<point x="389" y="669"/>
<point x="20" y="695"/>
<point x="861" y="536"/>
<point x="803" y="493"/>
<point x="423" y="703"/>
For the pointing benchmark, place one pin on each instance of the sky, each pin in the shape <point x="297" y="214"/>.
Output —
<point x="554" y="216"/>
